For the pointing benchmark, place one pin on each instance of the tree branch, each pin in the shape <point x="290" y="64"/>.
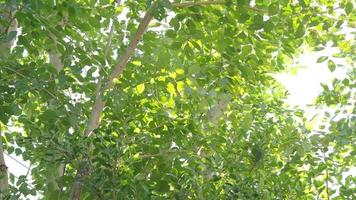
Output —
<point x="130" y="49"/>
<point x="107" y="47"/>
<point x="99" y="104"/>
<point x="98" y="107"/>
<point x="190" y="4"/>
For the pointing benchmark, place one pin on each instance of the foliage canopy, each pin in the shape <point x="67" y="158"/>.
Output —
<point x="185" y="108"/>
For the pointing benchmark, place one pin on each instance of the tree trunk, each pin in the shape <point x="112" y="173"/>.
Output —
<point x="4" y="183"/>
<point x="5" y="49"/>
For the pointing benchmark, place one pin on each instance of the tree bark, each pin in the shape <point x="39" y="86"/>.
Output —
<point x="8" y="15"/>
<point x="4" y="183"/>
<point x="5" y="49"/>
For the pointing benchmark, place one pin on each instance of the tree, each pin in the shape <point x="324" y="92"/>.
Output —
<point x="154" y="99"/>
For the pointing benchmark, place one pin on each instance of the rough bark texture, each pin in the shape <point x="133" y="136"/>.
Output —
<point x="4" y="184"/>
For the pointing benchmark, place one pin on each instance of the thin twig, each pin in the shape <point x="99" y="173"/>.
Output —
<point x="17" y="160"/>
<point x="12" y="19"/>
<point x="28" y="170"/>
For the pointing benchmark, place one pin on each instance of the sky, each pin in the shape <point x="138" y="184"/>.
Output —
<point x="304" y="78"/>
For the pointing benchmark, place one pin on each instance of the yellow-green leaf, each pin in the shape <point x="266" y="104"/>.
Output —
<point x="171" y="89"/>
<point x="140" y="88"/>
<point x="180" y="87"/>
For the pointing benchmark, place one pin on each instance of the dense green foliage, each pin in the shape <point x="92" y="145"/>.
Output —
<point x="196" y="114"/>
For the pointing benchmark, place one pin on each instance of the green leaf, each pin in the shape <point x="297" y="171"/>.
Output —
<point x="325" y="87"/>
<point x="16" y="110"/>
<point x="49" y="116"/>
<point x="247" y="72"/>
<point x="247" y="121"/>
<point x="268" y="26"/>
<point x="349" y="7"/>
<point x="242" y="3"/>
<point x="302" y="3"/>
<point x="18" y="151"/>
<point x="300" y="31"/>
<point x="243" y="17"/>
<point x="3" y="116"/>
<point x="322" y="59"/>
<point x="331" y="65"/>
<point x="10" y="149"/>
<point x="159" y="11"/>
<point x="163" y="186"/>
<point x="273" y="9"/>
<point x="257" y="22"/>
<point x="163" y="59"/>
<point x="257" y="153"/>
<point x="9" y="37"/>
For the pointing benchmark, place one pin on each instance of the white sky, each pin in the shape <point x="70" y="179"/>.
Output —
<point x="304" y="86"/>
